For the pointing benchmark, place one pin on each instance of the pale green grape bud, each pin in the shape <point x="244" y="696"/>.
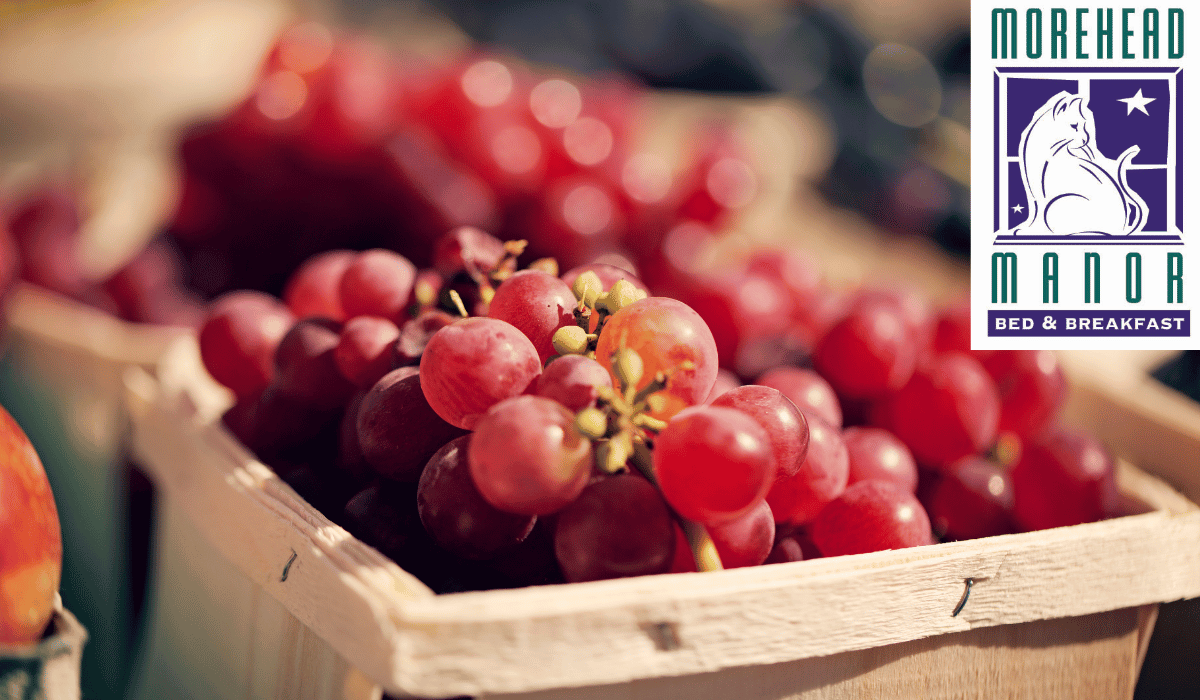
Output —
<point x="570" y="340"/>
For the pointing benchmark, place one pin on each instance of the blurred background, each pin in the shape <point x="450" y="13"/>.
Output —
<point x="156" y="154"/>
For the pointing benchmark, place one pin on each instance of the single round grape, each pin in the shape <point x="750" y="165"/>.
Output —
<point x="454" y="513"/>
<point x="971" y="499"/>
<point x="785" y="425"/>
<point x="808" y="390"/>
<point x="1063" y="478"/>
<point x="572" y="380"/>
<point x="312" y="290"/>
<point x="1032" y="389"/>
<point x="239" y="337"/>
<point x="305" y="367"/>
<point x="397" y="430"/>
<point x="364" y="352"/>
<point x="619" y="526"/>
<point x="474" y="364"/>
<point x="283" y="426"/>
<point x="415" y="335"/>
<point x="822" y="477"/>
<point x="871" y="516"/>
<point x="876" y="453"/>
<point x="746" y="541"/>
<point x="467" y="248"/>
<point x="377" y="283"/>
<point x="785" y="550"/>
<point x="665" y="333"/>
<point x="713" y="463"/>
<point x="869" y="353"/>
<point x="950" y="409"/>
<point x="911" y="303"/>
<point x="538" y="304"/>
<point x="526" y="456"/>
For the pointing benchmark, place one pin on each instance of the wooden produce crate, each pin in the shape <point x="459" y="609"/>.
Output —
<point x="61" y="379"/>
<point x="1145" y="420"/>
<point x="259" y="595"/>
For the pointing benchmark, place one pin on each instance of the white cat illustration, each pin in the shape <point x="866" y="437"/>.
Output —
<point x="1072" y="188"/>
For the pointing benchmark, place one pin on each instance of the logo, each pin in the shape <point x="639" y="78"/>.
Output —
<point x="1079" y="177"/>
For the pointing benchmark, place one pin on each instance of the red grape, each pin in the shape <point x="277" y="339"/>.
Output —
<point x="454" y="513"/>
<point x="746" y="541"/>
<point x="948" y="410"/>
<point x="1032" y="389"/>
<point x="972" y="499"/>
<point x="786" y="427"/>
<point x="876" y="453"/>
<point x="415" y="335"/>
<point x="473" y="364"/>
<point x="664" y="333"/>
<point x="871" y="516"/>
<point x="305" y="367"/>
<point x="1063" y="478"/>
<point x="619" y="526"/>
<point x="808" y="390"/>
<point x="312" y="290"/>
<point x="538" y="304"/>
<point x="397" y="430"/>
<point x="364" y="351"/>
<point x="869" y="353"/>
<point x="713" y="463"/>
<point x="467" y="248"/>
<point x="572" y="380"/>
<point x="377" y="283"/>
<point x="526" y="456"/>
<point x="238" y="340"/>
<point x="822" y="477"/>
<point x="786" y="549"/>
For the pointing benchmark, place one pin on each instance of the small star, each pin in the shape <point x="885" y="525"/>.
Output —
<point x="1137" y="102"/>
<point x="1018" y="209"/>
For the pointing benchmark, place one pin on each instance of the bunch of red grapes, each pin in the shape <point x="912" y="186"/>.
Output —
<point x="344" y="145"/>
<point x="488" y="426"/>
<point x="486" y="421"/>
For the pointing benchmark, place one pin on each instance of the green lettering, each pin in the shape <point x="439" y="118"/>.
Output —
<point x="1133" y="269"/>
<point x="1004" y="14"/>
<point x="1002" y="261"/>
<point x="1091" y="261"/>
<point x="1174" y="278"/>
<point x="1173" y="35"/>
<point x="1103" y="33"/>
<point x="1080" y="32"/>
<point x="1058" y="33"/>
<point x="1050" y="278"/>
<point x="1126" y="32"/>
<point x="1149" y="31"/>
<point x="1033" y="30"/>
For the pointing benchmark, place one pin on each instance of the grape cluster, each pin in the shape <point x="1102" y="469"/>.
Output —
<point x="492" y="426"/>
<point x="342" y="144"/>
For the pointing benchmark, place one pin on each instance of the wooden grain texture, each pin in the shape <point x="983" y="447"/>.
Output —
<point x="541" y="638"/>
<point x="1086" y="657"/>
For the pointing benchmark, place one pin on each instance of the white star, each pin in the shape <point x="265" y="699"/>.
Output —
<point x="1018" y="208"/>
<point x="1137" y="102"/>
